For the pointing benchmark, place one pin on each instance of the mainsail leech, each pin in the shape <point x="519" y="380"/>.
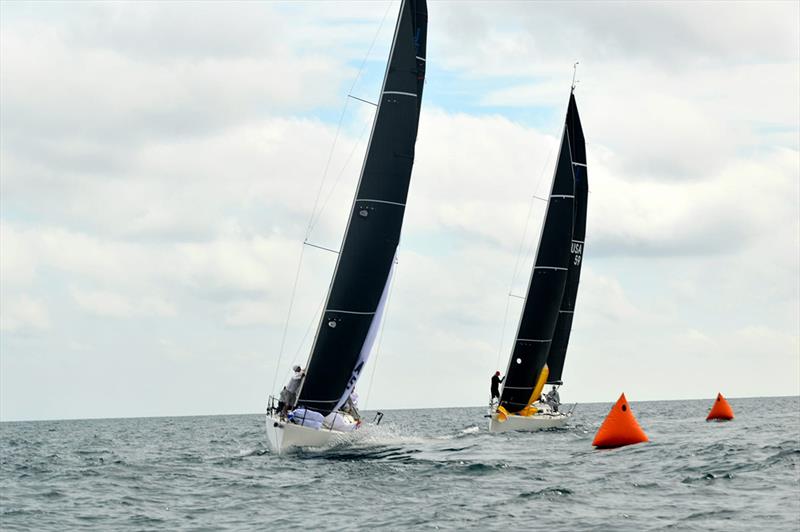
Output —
<point x="369" y="341"/>
<point x="577" y="144"/>
<point x="373" y="230"/>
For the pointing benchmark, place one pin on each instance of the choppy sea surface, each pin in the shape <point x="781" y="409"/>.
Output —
<point x="420" y="469"/>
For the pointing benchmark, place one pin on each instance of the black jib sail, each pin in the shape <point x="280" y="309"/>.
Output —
<point x="558" y="349"/>
<point x="545" y="289"/>
<point x="362" y="272"/>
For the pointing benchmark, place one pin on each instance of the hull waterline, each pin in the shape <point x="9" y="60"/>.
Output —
<point x="528" y="423"/>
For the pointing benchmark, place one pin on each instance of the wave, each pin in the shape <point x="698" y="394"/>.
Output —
<point x="546" y="493"/>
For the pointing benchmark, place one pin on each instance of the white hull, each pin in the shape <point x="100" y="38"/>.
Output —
<point x="282" y="435"/>
<point x="532" y="423"/>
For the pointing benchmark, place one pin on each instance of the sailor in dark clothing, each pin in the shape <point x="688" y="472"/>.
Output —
<point x="496" y="380"/>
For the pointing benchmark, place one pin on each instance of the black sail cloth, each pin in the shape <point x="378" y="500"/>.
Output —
<point x="545" y="290"/>
<point x="558" y="348"/>
<point x="376" y="218"/>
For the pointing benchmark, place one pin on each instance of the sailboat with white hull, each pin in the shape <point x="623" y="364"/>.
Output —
<point x="540" y="344"/>
<point x="357" y="295"/>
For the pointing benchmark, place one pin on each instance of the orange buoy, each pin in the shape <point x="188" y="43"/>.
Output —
<point x="721" y="410"/>
<point x="620" y="427"/>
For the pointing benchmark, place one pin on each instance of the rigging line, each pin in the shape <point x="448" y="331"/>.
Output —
<point x="288" y="316"/>
<point x="320" y="247"/>
<point x="325" y="171"/>
<point x="338" y="179"/>
<point x="311" y="221"/>
<point x="314" y="319"/>
<point x="528" y="256"/>
<point x="519" y="254"/>
<point x="380" y="337"/>
<point x="528" y="219"/>
<point x="362" y="100"/>
<point x="502" y="334"/>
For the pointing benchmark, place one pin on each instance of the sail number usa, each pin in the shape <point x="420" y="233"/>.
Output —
<point x="577" y="252"/>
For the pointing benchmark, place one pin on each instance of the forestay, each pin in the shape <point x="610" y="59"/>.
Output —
<point x="338" y="354"/>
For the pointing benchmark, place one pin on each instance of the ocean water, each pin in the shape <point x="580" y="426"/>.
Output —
<point x="418" y="470"/>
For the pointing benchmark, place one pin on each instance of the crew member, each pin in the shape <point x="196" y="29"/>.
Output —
<point x="496" y="380"/>
<point x="289" y="398"/>
<point x="553" y="399"/>
<point x="351" y="405"/>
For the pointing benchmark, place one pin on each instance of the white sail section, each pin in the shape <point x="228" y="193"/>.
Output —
<point x="366" y="349"/>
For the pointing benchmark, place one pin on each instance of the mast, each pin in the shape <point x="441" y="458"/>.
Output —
<point x="558" y="349"/>
<point x="545" y="289"/>
<point x="359" y="282"/>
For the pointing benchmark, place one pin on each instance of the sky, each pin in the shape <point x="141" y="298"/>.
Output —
<point x="159" y="164"/>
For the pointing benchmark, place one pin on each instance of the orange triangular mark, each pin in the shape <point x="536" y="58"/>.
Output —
<point x="620" y="427"/>
<point x="721" y="410"/>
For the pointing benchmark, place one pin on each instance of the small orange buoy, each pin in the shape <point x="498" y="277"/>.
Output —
<point x="620" y="427"/>
<point x="721" y="410"/>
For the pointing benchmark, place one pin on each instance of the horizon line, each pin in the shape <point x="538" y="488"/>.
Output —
<point x="374" y="409"/>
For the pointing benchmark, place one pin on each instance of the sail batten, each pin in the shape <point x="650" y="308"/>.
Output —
<point x="359" y="282"/>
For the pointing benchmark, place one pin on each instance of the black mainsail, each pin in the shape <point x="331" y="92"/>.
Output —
<point x="363" y="269"/>
<point x="577" y="144"/>
<point x="545" y="289"/>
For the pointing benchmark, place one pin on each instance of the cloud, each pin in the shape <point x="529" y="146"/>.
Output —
<point x="236" y="264"/>
<point x="23" y="314"/>
<point x="604" y="297"/>
<point x="191" y="190"/>
<point x="673" y="99"/>
<point x="728" y="209"/>
<point x="658" y="33"/>
<point x="123" y="73"/>
<point x="243" y="313"/>
<point x="474" y="175"/>
<point x="17" y="266"/>
<point x="109" y="304"/>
